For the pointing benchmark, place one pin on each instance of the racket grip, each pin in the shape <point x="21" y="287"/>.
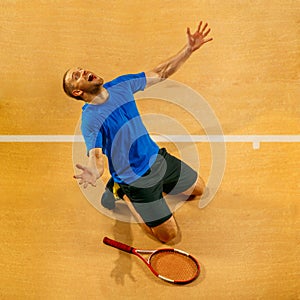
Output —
<point x="117" y="245"/>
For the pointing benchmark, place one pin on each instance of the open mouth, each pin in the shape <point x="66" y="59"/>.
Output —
<point x="90" y="77"/>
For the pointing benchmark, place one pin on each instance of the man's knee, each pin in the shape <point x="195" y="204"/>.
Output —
<point x="166" y="231"/>
<point x="197" y="189"/>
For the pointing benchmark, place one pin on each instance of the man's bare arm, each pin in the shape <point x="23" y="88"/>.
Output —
<point x="96" y="161"/>
<point x="171" y="65"/>
<point x="167" y="68"/>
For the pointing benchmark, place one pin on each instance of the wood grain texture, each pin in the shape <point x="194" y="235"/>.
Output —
<point x="247" y="239"/>
<point x="250" y="72"/>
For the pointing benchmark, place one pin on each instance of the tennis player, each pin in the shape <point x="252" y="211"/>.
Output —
<point x="112" y="126"/>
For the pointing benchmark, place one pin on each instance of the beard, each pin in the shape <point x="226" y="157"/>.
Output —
<point x="94" y="89"/>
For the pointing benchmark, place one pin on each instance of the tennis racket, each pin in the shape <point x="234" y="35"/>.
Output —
<point x="171" y="265"/>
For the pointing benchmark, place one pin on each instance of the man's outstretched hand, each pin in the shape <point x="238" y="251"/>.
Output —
<point x="199" y="38"/>
<point x="88" y="176"/>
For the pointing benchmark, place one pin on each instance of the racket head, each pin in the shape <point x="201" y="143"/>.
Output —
<point x="174" y="266"/>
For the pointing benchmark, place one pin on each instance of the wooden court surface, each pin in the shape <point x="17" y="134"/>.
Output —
<point x="246" y="239"/>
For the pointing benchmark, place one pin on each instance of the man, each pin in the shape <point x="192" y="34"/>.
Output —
<point x="111" y="125"/>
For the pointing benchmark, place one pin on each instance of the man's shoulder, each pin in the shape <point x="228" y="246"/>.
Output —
<point x="90" y="114"/>
<point x="124" y="79"/>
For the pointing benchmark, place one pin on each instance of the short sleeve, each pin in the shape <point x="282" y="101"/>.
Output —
<point x="135" y="82"/>
<point x="92" y="137"/>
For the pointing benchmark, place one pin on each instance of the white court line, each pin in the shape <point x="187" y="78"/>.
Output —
<point x="254" y="139"/>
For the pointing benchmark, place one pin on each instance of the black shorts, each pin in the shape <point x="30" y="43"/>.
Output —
<point x="168" y="174"/>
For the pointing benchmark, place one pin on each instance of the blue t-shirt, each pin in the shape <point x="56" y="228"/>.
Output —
<point x="117" y="128"/>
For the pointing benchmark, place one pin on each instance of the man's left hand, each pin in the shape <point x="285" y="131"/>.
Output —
<point x="199" y="38"/>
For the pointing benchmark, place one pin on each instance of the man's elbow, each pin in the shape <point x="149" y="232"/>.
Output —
<point x="155" y="76"/>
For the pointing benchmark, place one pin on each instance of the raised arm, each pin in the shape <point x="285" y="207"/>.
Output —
<point x="171" y="65"/>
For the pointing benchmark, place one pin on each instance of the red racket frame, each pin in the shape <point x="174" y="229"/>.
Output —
<point x="134" y="251"/>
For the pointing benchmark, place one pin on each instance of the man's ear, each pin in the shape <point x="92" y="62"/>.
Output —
<point x="77" y="93"/>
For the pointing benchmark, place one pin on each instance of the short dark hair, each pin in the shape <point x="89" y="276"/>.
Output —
<point x="68" y="87"/>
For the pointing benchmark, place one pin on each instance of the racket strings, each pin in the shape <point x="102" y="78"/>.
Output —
<point x="174" y="265"/>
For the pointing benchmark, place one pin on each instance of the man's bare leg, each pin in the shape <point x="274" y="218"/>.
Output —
<point x="197" y="189"/>
<point x="163" y="232"/>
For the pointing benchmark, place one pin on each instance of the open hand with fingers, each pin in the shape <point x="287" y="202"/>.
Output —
<point x="199" y="38"/>
<point x="88" y="176"/>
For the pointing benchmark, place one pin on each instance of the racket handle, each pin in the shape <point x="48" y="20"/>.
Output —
<point x="117" y="245"/>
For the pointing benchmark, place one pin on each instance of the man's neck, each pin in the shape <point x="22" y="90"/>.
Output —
<point x="101" y="98"/>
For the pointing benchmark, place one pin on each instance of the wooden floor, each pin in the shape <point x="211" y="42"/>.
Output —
<point x="247" y="239"/>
